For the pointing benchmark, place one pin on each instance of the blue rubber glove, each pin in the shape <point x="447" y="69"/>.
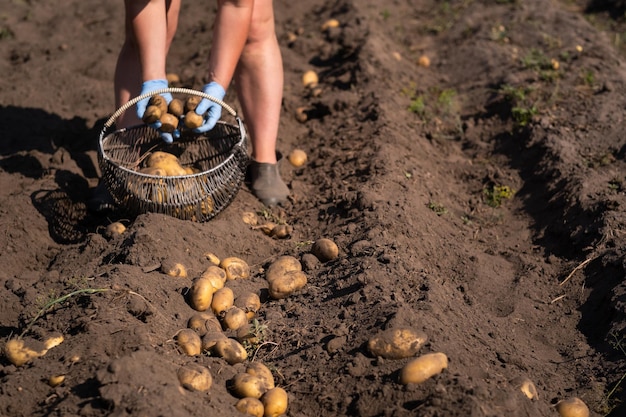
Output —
<point x="212" y="109"/>
<point x="148" y="87"/>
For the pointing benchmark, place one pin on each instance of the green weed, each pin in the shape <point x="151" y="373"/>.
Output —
<point x="496" y="194"/>
<point x="439" y="209"/>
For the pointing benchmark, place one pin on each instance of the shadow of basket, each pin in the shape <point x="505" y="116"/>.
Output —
<point x="65" y="216"/>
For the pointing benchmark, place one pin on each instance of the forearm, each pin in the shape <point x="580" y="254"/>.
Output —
<point x="229" y="37"/>
<point x="148" y="24"/>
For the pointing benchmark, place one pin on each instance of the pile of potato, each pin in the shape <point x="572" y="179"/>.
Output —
<point x="176" y="114"/>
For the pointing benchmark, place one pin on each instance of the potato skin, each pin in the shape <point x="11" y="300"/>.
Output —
<point x="223" y="299"/>
<point x="246" y="385"/>
<point x="325" y="249"/>
<point x="250" y="406"/>
<point x="195" y="377"/>
<point x="261" y="371"/>
<point x="423" y="367"/>
<point x="275" y="402"/>
<point x="201" y="294"/>
<point x="397" y="343"/>
<point x="236" y="268"/>
<point x="281" y="266"/>
<point x="572" y="407"/>
<point x="189" y="342"/>
<point x="230" y="350"/>
<point x="287" y="284"/>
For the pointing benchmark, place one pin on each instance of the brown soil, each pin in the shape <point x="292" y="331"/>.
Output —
<point x="407" y="173"/>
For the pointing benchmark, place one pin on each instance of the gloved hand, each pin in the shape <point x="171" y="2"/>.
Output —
<point x="212" y="109"/>
<point x="148" y="87"/>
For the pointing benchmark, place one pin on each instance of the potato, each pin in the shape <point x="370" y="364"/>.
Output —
<point x="216" y="275"/>
<point x="176" y="107"/>
<point x="52" y="341"/>
<point x="201" y="294"/>
<point x="572" y="407"/>
<point x="209" y="340"/>
<point x="189" y="342"/>
<point x="169" y="122"/>
<point x="249" y="302"/>
<point x="287" y="284"/>
<point x="330" y="23"/>
<point x="159" y="172"/>
<point x="56" y="380"/>
<point x="250" y="218"/>
<point x="192" y="102"/>
<point x="297" y="157"/>
<point x="195" y="377"/>
<point x="527" y="387"/>
<point x="114" y="229"/>
<point x="18" y="353"/>
<point x="158" y="101"/>
<point x="246" y="385"/>
<point x="250" y="406"/>
<point x="236" y="268"/>
<point x="213" y="258"/>
<point x="174" y="269"/>
<point x="234" y="318"/>
<point x="398" y="343"/>
<point x="310" y="79"/>
<point x="301" y="114"/>
<point x="281" y="231"/>
<point x="281" y="266"/>
<point x="193" y="120"/>
<point x="166" y="161"/>
<point x="203" y="322"/>
<point x="325" y="249"/>
<point x="261" y="371"/>
<point x="423" y="367"/>
<point x="423" y="61"/>
<point x="275" y="402"/>
<point x="230" y="350"/>
<point x="223" y="299"/>
<point x="151" y="115"/>
<point x="172" y="78"/>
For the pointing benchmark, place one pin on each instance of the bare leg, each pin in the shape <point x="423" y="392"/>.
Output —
<point x="259" y="81"/>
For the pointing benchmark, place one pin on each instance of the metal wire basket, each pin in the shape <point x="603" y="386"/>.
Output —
<point x="218" y="159"/>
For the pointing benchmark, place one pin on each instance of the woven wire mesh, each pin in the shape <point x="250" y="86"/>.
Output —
<point x="218" y="159"/>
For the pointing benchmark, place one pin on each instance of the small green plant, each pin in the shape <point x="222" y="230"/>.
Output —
<point x="523" y="109"/>
<point x="496" y="194"/>
<point x="439" y="209"/>
<point x="257" y="337"/>
<point x="45" y="304"/>
<point x="608" y="402"/>
<point x="6" y="33"/>
<point x="385" y="14"/>
<point x="523" y="115"/>
<point x="418" y="106"/>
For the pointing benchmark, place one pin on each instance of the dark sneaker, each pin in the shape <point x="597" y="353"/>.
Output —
<point x="266" y="183"/>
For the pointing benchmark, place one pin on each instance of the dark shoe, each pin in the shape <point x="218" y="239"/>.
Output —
<point x="101" y="200"/>
<point x="266" y="183"/>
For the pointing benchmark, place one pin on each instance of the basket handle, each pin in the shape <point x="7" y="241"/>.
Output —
<point x="175" y="90"/>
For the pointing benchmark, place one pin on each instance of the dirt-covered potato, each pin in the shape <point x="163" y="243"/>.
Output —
<point x="297" y="157"/>
<point x="176" y="107"/>
<point x="287" y="284"/>
<point x="166" y="161"/>
<point x="193" y="120"/>
<point x="56" y="380"/>
<point x="158" y="101"/>
<point x="527" y="387"/>
<point x="173" y="269"/>
<point x="223" y="299"/>
<point x="261" y="371"/>
<point x="192" y="102"/>
<point x="397" y="343"/>
<point x="234" y="318"/>
<point x="281" y="231"/>
<point x="210" y="338"/>
<point x="151" y="114"/>
<point x="250" y="406"/>
<point x="423" y="367"/>
<point x="169" y="122"/>
<point x="325" y="249"/>
<point x="216" y="275"/>
<point x="249" y="302"/>
<point x="212" y="258"/>
<point x="275" y="402"/>
<point x="230" y="350"/>
<point x="236" y="268"/>
<point x="195" y="377"/>
<point x="281" y="266"/>
<point x="19" y="353"/>
<point x="247" y="385"/>
<point x="310" y="79"/>
<point x="201" y="294"/>
<point x="204" y="322"/>
<point x="572" y="407"/>
<point x="114" y="229"/>
<point x="189" y="342"/>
